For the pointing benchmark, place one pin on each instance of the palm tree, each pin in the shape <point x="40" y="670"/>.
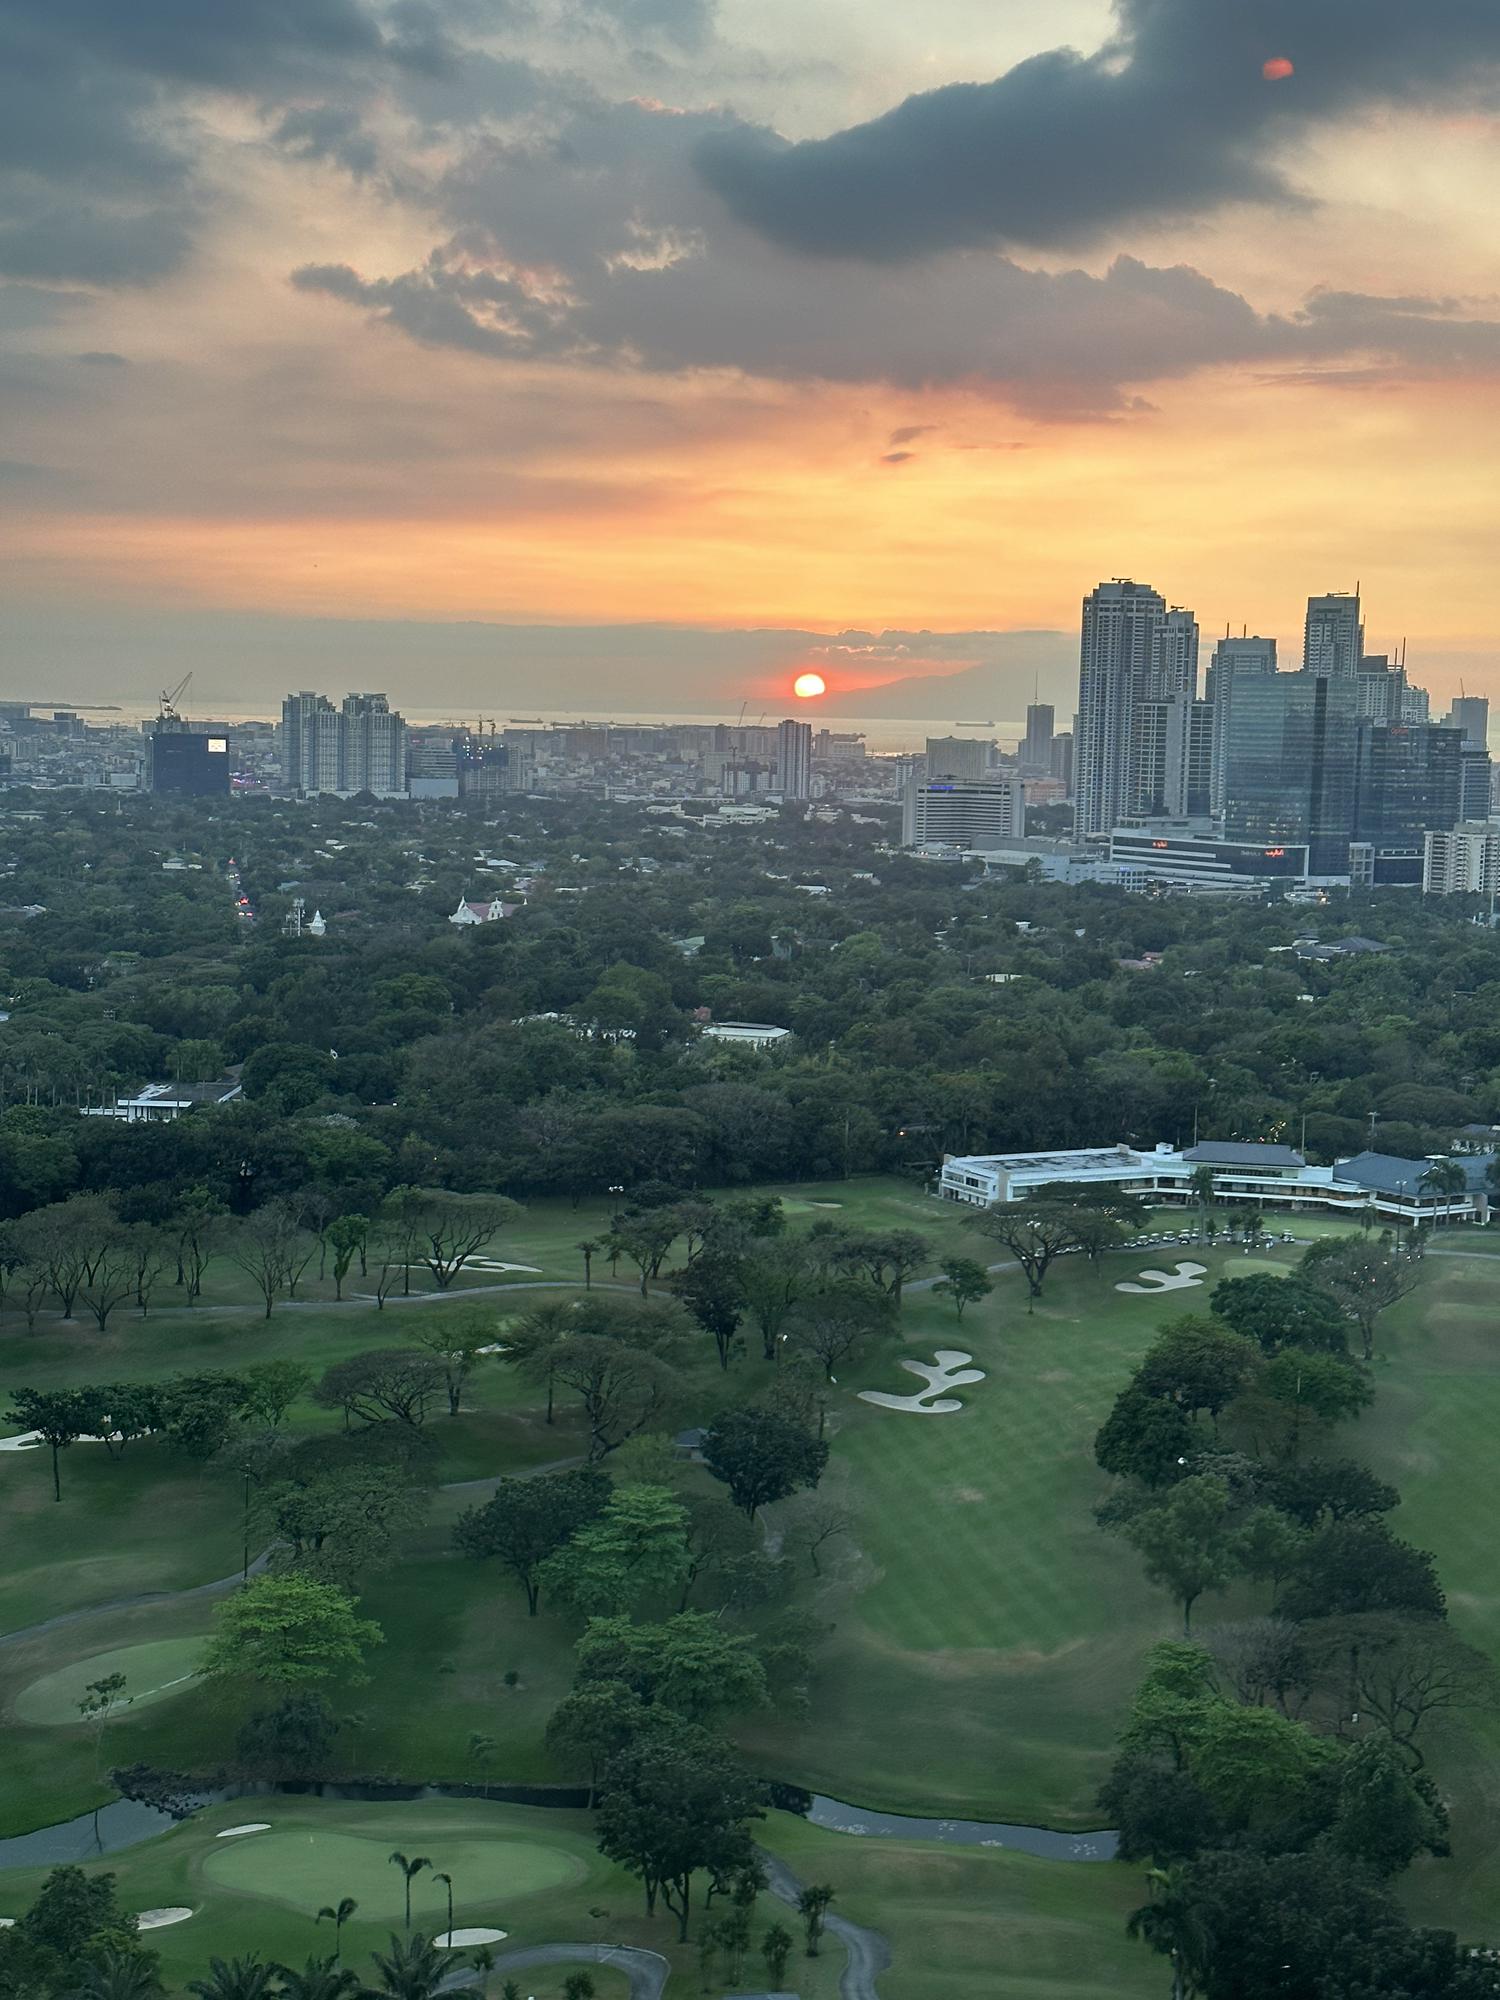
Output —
<point x="1170" y="1925"/>
<point x="483" y="1962"/>
<point x="411" y="1970"/>
<point x="1201" y="1183"/>
<point x="320" y="1979"/>
<point x="447" y="1882"/>
<point x="234" y="1979"/>
<point x="119" y="1975"/>
<point x="340" y="1912"/>
<point x="481" y="1749"/>
<point x="1445" y="1179"/>
<point x="590" y="1247"/>
<point x="409" y="1869"/>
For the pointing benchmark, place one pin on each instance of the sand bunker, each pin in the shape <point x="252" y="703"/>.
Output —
<point x="157" y="1920"/>
<point x="494" y="1264"/>
<point x="950" y="1372"/>
<point x="250" y="1826"/>
<point x="7" y="1923"/>
<point x="494" y="1347"/>
<point x="1176" y="1280"/>
<point x="451" y="1940"/>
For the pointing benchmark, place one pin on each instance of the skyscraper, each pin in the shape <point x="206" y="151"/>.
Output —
<point x="1333" y="638"/>
<point x="359" y="748"/>
<point x="309" y="743"/>
<point x="1035" y="748"/>
<point x="372" y="746"/>
<point x="1121" y="621"/>
<point x="1289" y="765"/>
<point x="1231" y="657"/>
<point x="1174" y="657"/>
<point x="965" y="758"/>
<point x="794" y="759"/>
<point x="1471" y="714"/>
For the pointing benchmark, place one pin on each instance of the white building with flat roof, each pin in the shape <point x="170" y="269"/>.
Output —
<point x="1245" y="1174"/>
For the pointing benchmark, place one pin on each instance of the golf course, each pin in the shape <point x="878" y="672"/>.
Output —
<point x="969" y="1607"/>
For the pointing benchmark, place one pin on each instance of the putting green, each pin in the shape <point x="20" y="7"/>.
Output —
<point x="153" y="1672"/>
<point x="306" y="1870"/>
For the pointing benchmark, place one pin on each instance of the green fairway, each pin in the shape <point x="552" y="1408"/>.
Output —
<point x="956" y="1917"/>
<point x="153" y="1672"/>
<point x="307" y="1868"/>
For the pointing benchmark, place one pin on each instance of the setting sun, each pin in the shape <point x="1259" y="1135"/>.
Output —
<point x="808" y="685"/>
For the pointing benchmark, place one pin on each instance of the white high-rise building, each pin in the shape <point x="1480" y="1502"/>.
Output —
<point x="1333" y="639"/>
<point x="360" y="747"/>
<point x="1462" y="861"/>
<point x="975" y="815"/>
<point x="309" y="743"/>
<point x="1120" y="647"/>
<point x="372" y="747"/>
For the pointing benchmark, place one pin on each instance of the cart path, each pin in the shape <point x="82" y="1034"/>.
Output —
<point x="223" y="1583"/>
<point x="869" y="1953"/>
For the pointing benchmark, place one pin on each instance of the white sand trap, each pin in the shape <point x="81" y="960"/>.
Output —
<point x="1177" y="1279"/>
<point x="825" y="1204"/>
<point x="7" y="1923"/>
<point x="157" y="1920"/>
<point x="250" y="1826"/>
<point x="494" y="1264"/>
<point x="451" y="1940"/>
<point x="494" y="1347"/>
<point x="950" y="1372"/>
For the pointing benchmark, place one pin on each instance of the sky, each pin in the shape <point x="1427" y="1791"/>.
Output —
<point x="634" y="354"/>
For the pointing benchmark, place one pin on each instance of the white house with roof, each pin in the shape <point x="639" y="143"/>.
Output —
<point x="1244" y="1174"/>
<point x="472" y="911"/>
<point x="161" y="1103"/>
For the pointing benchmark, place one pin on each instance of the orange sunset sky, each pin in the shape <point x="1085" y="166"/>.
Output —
<point x="462" y="319"/>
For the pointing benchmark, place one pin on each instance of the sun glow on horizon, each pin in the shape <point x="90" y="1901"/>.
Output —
<point x="808" y="686"/>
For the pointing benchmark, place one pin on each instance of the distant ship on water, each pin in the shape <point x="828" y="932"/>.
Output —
<point x="975" y="725"/>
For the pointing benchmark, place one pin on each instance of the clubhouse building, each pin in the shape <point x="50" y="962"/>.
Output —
<point x="1244" y="1175"/>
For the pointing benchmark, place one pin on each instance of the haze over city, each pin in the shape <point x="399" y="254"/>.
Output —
<point x="355" y="343"/>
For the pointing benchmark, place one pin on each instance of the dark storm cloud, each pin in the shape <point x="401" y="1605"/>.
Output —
<point x="328" y="132"/>
<point x="99" y="180"/>
<point x="1172" y="118"/>
<point x="237" y="45"/>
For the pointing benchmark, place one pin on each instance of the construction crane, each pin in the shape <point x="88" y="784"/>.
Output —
<point x="171" y="696"/>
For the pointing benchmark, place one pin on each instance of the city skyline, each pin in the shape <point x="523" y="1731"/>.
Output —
<point x="472" y="323"/>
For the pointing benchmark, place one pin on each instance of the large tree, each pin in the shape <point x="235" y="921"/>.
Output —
<point x="761" y="1457"/>
<point x="387" y="1385"/>
<point x="632" y="1552"/>
<point x="837" y="1318"/>
<point x="1281" y="1312"/>
<point x="673" y="1803"/>
<point x="691" y="1664"/>
<point x="712" y="1289"/>
<point x="623" y="1389"/>
<point x="1199" y="1364"/>
<point x="1359" y="1565"/>
<point x="1364" y="1279"/>
<point x="288" y="1633"/>
<point x="62" y="1416"/>
<point x="527" y="1520"/>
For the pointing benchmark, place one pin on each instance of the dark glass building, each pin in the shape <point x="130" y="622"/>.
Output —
<point x="1302" y="762"/>
<point x="186" y="762"/>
